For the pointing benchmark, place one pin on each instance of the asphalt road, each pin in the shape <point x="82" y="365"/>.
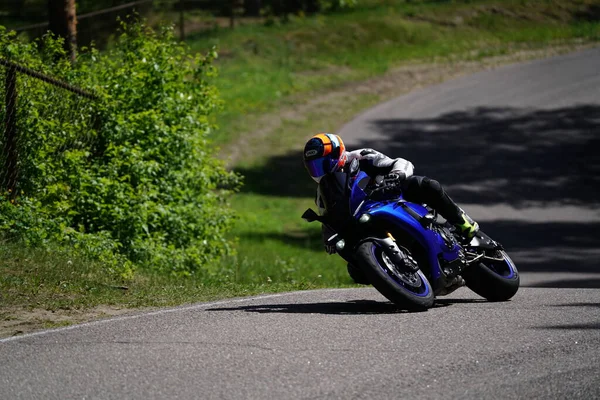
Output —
<point x="518" y="147"/>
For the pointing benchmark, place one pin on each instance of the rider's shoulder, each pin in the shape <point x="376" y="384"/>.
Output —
<point x="363" y="153"/>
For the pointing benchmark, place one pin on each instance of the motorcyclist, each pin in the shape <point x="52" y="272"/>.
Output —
<point x="325" y="153"/>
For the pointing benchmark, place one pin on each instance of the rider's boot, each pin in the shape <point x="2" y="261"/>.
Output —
<point x="467" y="228"/>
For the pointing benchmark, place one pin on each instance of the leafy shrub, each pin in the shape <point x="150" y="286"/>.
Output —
<point x="131" y="177"/>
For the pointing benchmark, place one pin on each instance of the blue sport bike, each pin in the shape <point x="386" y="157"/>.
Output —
<point x="402" y="249"/>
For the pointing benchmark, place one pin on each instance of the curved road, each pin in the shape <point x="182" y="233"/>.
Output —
<point x="518" y="147"/>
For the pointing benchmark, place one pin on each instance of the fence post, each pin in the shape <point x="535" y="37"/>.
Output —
<point x="10" y="131"/>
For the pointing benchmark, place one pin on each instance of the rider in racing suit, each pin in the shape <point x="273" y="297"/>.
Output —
<point x="326" y="153"/>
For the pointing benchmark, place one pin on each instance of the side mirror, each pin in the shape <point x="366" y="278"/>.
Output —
<point x="354" y="167"/>
<point x="310" y="216"/>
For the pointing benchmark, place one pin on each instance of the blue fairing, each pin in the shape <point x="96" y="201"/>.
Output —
<point x="358" y="195"/>
<point x="393" y="212"/>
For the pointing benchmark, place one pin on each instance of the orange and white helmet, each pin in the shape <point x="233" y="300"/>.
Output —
<point x="324" y="153"/>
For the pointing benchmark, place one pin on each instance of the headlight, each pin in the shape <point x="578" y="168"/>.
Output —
<point x="364" y="218"/>
<point x="340" y="244"/>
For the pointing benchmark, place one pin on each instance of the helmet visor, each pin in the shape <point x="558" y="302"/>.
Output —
<point x="317" y="168"/>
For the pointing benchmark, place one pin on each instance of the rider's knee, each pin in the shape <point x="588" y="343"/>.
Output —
<point x="433" y="187"/>
<point x="411" y="184"/>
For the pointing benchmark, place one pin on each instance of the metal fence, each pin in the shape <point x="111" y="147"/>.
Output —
<point x="97" y="25"/>
<point x="42" y="119"/>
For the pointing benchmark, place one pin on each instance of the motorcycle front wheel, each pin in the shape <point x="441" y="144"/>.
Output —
<point x="407" y="289"/>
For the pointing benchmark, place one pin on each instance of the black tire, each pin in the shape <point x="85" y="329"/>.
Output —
<point x="408" y="290"/>
<point x="493" y="281"/>
<point x="357" y="275"/>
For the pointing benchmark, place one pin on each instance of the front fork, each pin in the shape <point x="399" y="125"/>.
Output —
<point x="387" y="244"/>
<point x="395" y="254"/>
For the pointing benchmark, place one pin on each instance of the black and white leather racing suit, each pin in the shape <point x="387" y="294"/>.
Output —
<point x="416" y="189"/>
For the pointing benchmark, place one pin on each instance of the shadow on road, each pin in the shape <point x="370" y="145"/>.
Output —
<point x="487" y="155"/>
<point x="520" y="157"/>
<point x="358" y="307"/>
<point x="504" y="155"/>
<point x="596" y="305"/>
<point x="592" y="325"/>
<point x="354" y="307"/>
<point x="569" y="284"/>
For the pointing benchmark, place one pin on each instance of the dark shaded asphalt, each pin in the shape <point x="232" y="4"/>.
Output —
<point x="516" y="146"/>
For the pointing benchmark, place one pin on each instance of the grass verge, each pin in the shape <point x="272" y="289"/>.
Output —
<point x="46" y="290"/>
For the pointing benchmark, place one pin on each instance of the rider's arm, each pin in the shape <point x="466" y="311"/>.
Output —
<point x="376" y="163"/>
<point x="403" y="166"/>
<point x="319" y="202"/>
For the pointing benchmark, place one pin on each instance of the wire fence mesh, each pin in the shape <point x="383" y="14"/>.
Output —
<point x="46" y="123"/>
<point x="97" y="21"/>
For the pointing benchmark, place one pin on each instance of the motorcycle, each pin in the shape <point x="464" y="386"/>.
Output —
<point x="403" y="249"/>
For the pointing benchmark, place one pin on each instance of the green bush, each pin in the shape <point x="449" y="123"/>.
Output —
<point x="130" y="178"/>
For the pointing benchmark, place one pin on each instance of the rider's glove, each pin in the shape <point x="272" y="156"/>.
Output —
<point x="394" y="178"/>
<point x="393" y="182"/>
<point x="330" y="249"/>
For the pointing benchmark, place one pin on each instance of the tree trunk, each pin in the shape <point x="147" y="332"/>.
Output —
<point x="181" y="21"/>
<point x="62" y="21"/>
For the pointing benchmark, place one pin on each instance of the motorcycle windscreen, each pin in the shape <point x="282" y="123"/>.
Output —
<point x="333" y="192"/>
<point x="358" y="194"/>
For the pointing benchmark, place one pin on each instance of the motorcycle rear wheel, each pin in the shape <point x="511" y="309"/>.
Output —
<point x="494" y="281"/>
<point x="408" y="290"/>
